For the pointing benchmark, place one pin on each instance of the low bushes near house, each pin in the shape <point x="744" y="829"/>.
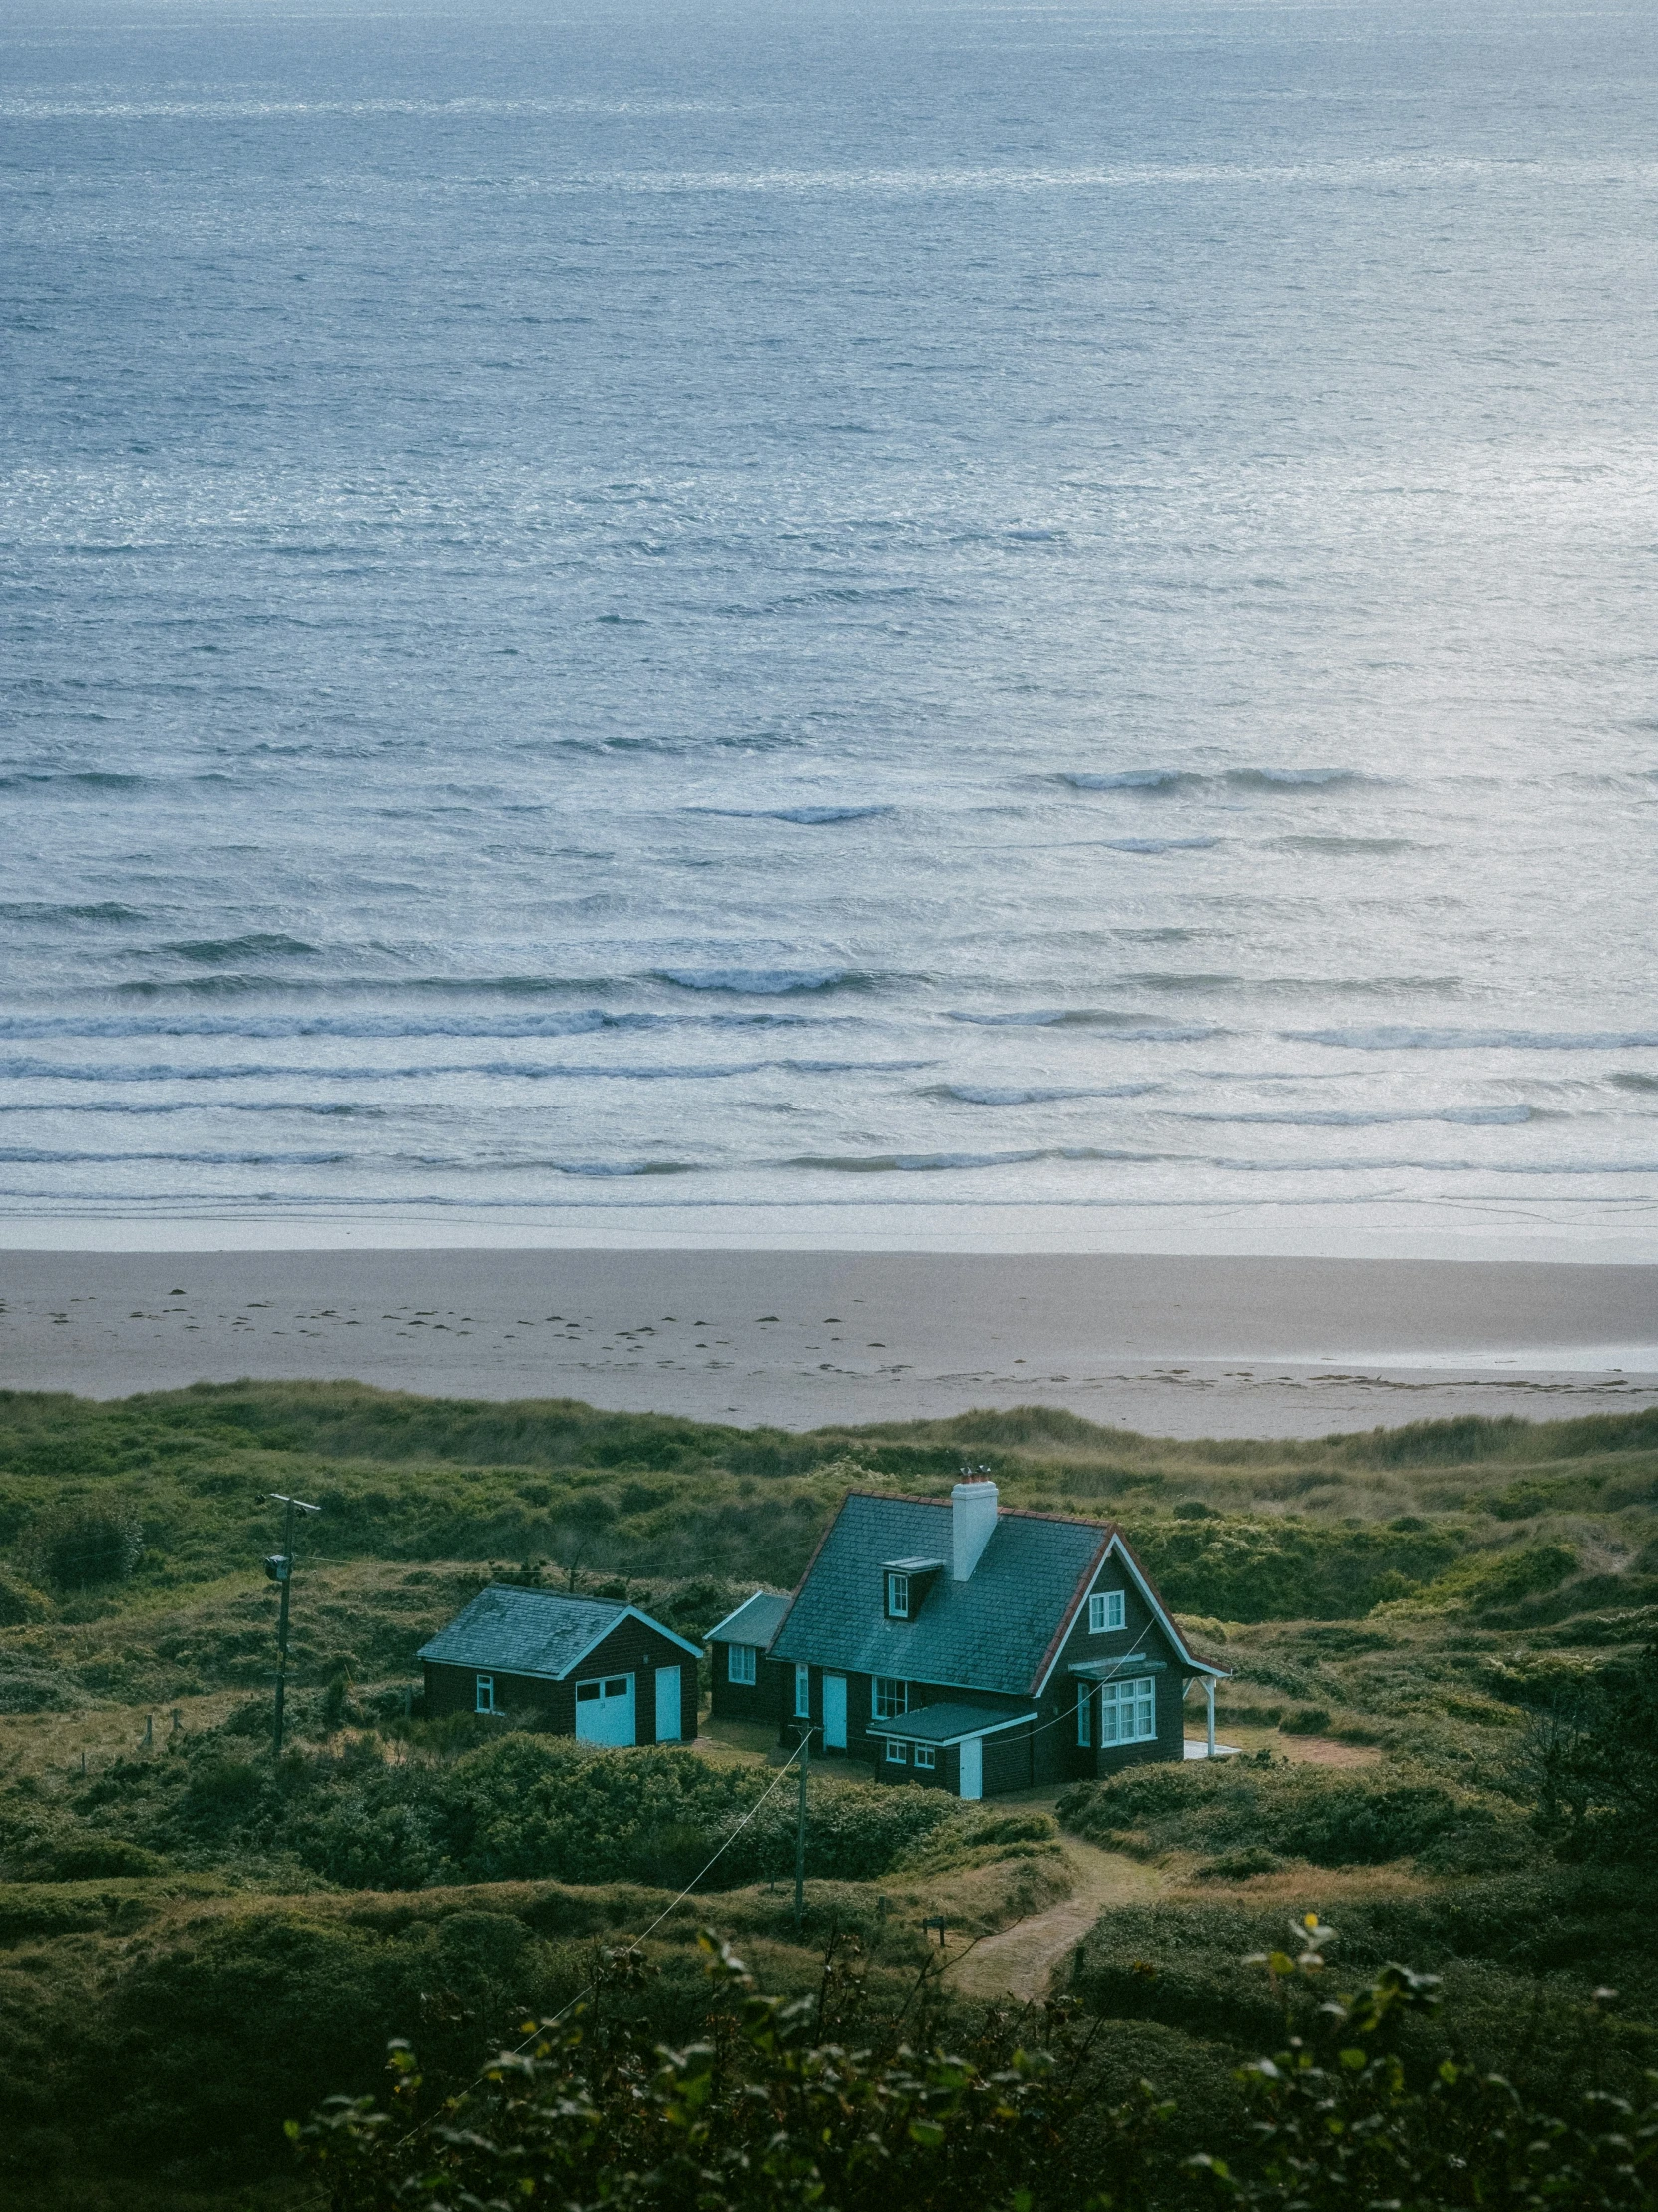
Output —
<point x="520" y="1807"/>
<point x="1334" y="1817"/>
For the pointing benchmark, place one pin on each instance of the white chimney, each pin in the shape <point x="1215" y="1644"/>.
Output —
<point x="971" y="1524"/>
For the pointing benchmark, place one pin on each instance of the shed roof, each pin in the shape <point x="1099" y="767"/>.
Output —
<point x="531" y="1631"/>
<point x="754" y="1621"/>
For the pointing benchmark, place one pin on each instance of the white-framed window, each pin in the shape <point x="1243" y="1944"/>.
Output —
<point x="898" y="1598"/>
<point x="1128" y="1711"/>
<point x="926" y="1757"/>
<point x="897" y="1753"/>
<point x="1085" y="1715"/>
<point x="891" y="1697"/>
<point x="740" y="1663"/>
<point x="486" y="1694"/>
<point x="1105" y="1612"/>
<point x="802" y="1692"/>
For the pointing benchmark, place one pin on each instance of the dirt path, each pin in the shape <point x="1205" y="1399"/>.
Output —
<point x="1022" y="1961"/>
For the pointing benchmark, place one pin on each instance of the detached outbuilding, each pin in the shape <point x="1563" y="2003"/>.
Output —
<point x="599" y="1671"/>
<point x="747" y="1685"/>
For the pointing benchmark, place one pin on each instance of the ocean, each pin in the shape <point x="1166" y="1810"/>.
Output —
<point x="909" y="622"/>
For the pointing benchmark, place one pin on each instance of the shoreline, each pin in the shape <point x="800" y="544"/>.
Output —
<point x="1175" y="1345"/>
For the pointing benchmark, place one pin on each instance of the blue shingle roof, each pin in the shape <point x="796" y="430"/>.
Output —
<point x="991" y="1632"/>
<point x="529" y="1632"/>
<point x="754" y="1621"/>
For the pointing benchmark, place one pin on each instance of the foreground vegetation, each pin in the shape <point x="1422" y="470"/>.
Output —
<point x="1434" y="1635"/>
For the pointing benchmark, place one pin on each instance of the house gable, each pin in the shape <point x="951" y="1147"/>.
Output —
<point x="1148" y="1628"/>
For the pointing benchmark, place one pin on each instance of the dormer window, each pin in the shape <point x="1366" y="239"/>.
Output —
<point x="1105" y="1612"/>
<point x="904" y="1586"/>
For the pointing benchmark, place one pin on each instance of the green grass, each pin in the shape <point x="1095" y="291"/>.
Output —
<point x="1417" y="1595"/>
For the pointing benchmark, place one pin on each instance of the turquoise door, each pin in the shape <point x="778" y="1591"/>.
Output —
<point x="834" y="1712"/>
<point x="668" y="1704"/>
<point x="605" y="1710"/>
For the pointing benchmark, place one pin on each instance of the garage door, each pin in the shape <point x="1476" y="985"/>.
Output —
<point x="605" y="1710"/>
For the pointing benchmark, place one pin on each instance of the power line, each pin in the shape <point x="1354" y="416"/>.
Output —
<point x="543" y="2026"/>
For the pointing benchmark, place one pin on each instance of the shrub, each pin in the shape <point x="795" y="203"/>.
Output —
<point x="81" y="1547"/>
<point x="1334" y="1818"/>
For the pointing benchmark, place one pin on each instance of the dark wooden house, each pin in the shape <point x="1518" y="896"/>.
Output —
<point x="979" y="1649"/>
<point x="588" y="1668"/>
<point x="747" y="1684"/>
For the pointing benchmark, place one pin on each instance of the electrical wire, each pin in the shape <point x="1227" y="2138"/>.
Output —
<point x="542" y="2026"/>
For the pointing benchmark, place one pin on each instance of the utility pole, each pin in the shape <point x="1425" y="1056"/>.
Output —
<point x="279" y="1568"/>
<point x="800" y="1827"/>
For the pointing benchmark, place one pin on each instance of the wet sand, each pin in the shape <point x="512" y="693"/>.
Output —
<point x="1174" y="1346"/>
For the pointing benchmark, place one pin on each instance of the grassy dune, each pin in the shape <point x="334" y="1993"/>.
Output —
<point x="194" y="1946"/>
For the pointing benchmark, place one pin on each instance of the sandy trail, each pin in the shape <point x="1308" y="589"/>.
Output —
<point x="1023" y="1961"/>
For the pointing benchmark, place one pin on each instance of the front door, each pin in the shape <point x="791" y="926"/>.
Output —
<point x="668" y="1704"/>
<point x="834" y="1712"/>
<point x="973" y="1767"/>
<point x="605" y="1710"/>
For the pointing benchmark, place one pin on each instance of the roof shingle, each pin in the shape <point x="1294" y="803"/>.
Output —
<point x="991" y="1632"/>
<point x="528" y="1632"/>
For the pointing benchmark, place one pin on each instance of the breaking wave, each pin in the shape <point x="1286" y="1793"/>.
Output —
<point x="1401" y="1040"/>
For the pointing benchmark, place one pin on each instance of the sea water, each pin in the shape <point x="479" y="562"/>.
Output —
<point x="687" y="612"/>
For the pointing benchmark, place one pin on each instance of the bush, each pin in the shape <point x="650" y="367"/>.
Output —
<point x="1334" y="1818"/>
<point x="82" y="1546"/>
<point x="516" y="1807"/>
<point x="817" y="2103"/>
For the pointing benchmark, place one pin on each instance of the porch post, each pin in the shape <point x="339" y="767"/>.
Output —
<point x="1209" y="1692"/>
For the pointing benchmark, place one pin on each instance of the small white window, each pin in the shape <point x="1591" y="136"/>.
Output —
<point x="740" y="1662"/>
<point x="926" y="1757"/>
<point x="892" y="1698"/>
<point x="803" y="1692"/>
<point x="1085" y="1715"/>
<point x="1128" y="1712"/>
<point x="898" y="1596"/>
<point x="1105" y="1612"/>
<point x="897" y="1753"/>
<point x="486" y="1694"/>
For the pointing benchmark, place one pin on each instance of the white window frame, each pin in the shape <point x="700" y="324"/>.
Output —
<point x="889" y="1697"/>
<point x="898" y="1752"/>
<point x="924" y="1757"/>
<point x="484" y="1695"/>
<point x="802" y="1690"/>
<point x="1128" y="1712"/>
<point x="742" y="1663"/>
<point x="1085" y="1716"/>
<point x="898" y="1596"/>
<point x="1106" y="1611"/>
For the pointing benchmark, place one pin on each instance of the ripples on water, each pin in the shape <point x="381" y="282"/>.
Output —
<point x="835" y="604"/>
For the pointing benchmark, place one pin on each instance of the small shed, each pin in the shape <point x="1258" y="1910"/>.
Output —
<point x="747" y="1684"/>
<point x="583" y="1666"/>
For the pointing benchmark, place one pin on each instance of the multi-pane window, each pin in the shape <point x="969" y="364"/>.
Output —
<point x="740" y="1663"/>
<point x="892" y="1698"/>
<point x="1105" y="1612"/>
<point x="897" y="1753"/>
<point x="898" y="1596"/>
<point x="802" y="1692"/>
<point x="486" y="1694"/>
<point x="926" y="1757"/>
<point x="1127" y="1712"/>
<point x="1085" y="1715"/>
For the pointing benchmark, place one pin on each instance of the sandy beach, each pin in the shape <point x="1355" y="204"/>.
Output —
<point x="1176" y="1346"/>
